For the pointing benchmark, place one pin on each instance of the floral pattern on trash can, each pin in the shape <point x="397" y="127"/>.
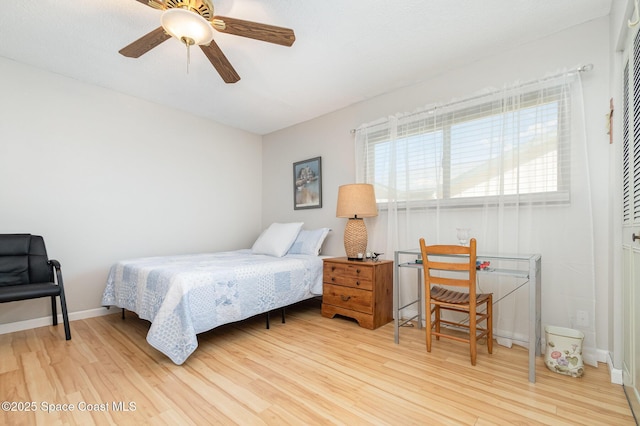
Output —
<point x="563" y="352"/>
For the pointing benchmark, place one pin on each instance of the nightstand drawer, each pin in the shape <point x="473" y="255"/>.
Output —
<point x="355" y="276"/>
<point x="348" y="298"/>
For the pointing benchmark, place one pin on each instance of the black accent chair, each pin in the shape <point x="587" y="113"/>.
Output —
<point x="27" y="273"/>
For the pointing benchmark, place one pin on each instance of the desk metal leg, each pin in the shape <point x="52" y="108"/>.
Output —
<point x="396" y="300"/>
<point x="535" y="274"/>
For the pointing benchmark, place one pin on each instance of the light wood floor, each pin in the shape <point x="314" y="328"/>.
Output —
<point x="310" y="370"/>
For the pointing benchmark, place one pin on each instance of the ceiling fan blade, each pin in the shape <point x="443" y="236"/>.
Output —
<point x="145" y="43"/>
<point x="156" y="4"/>
<point x="220" y="62"/>
<point x="255" y="30"/>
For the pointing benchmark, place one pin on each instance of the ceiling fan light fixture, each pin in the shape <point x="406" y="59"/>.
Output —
<point x="187" y="26"/>
<point x="193" y="22"/>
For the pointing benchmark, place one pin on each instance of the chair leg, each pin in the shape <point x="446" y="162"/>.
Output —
<point x="428" y="312"/>
<point x="54" y="310"/>
<point x="65" y="316"/>
<point x="437" y="324"/>
<point x="489" y="322"/>
<point x="473" y="336"/>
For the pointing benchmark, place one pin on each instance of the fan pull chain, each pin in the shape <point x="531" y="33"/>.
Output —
<point x="188" y="56"/>
<point x="188" y="42"/>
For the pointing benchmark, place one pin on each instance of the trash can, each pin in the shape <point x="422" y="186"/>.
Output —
<point x="563" y="352"/>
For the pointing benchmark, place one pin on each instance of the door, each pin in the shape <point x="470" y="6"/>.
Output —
<point x="631" y="222"/>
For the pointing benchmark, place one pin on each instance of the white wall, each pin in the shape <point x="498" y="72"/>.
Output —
<point x="104" y="176"/>
<point x="329" y="136"/>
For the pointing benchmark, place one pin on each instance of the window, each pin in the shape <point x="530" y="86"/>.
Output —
<point x="509" y="144"/>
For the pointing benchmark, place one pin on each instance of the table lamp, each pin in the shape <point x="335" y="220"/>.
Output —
<point x="355" y="202"/>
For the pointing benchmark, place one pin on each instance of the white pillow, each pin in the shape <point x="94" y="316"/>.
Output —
<point x="309" y="241"/>
<point x="277" y="239"/>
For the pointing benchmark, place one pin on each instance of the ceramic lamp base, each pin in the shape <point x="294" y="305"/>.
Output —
<point x="355" y="239"/>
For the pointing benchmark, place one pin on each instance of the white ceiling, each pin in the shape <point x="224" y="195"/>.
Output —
<point x="346" y="51"/>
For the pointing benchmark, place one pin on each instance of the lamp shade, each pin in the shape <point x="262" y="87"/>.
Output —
<point x="356" y="200"/>
<point x="187" y="26"/>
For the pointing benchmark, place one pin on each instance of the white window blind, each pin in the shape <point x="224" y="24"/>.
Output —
<point x="512" y="143"/>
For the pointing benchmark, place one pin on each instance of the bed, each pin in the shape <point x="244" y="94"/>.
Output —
<point x="185" y="295"/>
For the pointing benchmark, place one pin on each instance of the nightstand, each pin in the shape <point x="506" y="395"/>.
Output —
<point x="362" y="290"/>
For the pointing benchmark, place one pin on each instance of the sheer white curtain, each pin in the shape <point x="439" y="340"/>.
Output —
<point x="511" y="165"/>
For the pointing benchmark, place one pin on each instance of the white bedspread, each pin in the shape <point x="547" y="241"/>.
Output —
<point x="189" y="294"/>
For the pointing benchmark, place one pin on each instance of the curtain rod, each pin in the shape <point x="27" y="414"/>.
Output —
<point x="583" y="68"/>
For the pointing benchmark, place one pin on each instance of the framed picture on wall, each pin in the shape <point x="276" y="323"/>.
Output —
<point x="307" y="184"/>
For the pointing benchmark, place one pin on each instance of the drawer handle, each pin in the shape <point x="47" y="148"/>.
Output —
<point x="357" y="271"/>
<point x="333" y="279"/>
<point x="357" y="282"/>
<point x="333" y="268"/>
<point x="345" y="298"/>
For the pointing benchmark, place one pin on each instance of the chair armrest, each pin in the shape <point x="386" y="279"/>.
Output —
<point x="56" y="266"/>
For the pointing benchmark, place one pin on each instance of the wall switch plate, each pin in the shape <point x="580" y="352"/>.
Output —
<point x="582" y="318"/>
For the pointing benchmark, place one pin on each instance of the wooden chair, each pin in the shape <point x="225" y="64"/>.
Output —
<point x="456" y="266"/>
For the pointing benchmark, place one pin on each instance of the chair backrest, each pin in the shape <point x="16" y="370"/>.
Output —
<point x="457" y="262"/>
<point x="23" y="260"/>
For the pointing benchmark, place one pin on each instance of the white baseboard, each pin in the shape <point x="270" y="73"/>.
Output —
<point x="46" y="321"/>
<point x="615" y="373"/>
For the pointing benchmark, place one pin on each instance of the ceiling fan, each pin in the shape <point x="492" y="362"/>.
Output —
<point x="192" y="22"/>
